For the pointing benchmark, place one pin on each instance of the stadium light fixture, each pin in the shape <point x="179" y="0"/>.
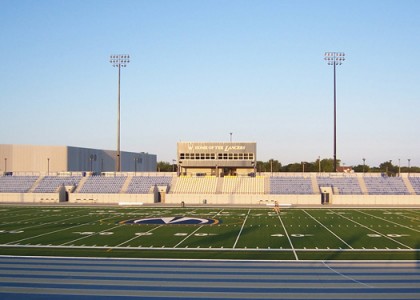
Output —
<point x="364" y="164"/>
<point x="399" y="167"/>
<point x="335" y="59"/>
<point x="119" y="60"/>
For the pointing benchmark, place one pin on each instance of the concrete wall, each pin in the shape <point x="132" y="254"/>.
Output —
<point x="216" y="199"/>
<point x="29" y="198"/>
<point x="236" y="199"/>
<point x="111" y="198"/>
<point x="376" y="200"/>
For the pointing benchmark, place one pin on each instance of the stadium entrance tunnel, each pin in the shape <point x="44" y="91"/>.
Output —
<point x="326" y="195"/>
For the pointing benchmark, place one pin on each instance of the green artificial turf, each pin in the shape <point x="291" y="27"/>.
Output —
<point x="257" y="233"/>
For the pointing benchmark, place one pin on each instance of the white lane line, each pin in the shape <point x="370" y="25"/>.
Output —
<point x="288" y="237"/>
<point x="343" y="241"/>
<point x="345" y="276"/>
<point x="240" y="231"/>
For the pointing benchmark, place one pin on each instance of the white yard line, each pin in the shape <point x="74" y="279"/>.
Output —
<point x="288" y="237"/>
<point x="377" y="232"/>
<point x="343" y="241"/>
<point x="188" y="236"/>
<point x="240" y="231"/>
<point x="23" y="215"/>
<point x="194" y="231"/>
<point x="388" y="221"/>
<point x="31" y="237"/>
<point x="64" y="229"/>
<point x="125" y="242"/>
<point x="52" y="222"/>
<point x="89" y="235"/>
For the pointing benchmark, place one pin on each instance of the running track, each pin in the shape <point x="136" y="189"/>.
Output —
<point x="72" y="278"/>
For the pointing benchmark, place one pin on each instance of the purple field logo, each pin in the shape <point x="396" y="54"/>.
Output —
<point x="173" y="221"/>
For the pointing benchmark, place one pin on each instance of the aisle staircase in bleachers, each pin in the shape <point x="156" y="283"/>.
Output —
<point x="35" y="185"/>
<point x="315" y="186"/>
<point x="409" y="186"/>
<point x="81" y="184"/>
<point x="362" y="184"/>
<point x="219" y="186"/>
<point x="126" y="184"/>
<point x="267" y="188"/>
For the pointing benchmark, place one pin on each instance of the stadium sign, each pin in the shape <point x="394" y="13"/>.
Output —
<point x="173" y="221"/>
<point x="217" y="147"/>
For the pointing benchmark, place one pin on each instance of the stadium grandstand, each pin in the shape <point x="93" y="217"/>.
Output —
<point x="169" y="188"/>
<point x="208" y="174"/>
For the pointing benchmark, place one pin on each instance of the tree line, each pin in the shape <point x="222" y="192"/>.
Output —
<point x="327" y="165"/>
<point x="320" y="165"/>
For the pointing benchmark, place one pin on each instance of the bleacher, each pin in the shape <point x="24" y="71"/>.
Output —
<point x="385" y="186"/>
<point x="288" y="185"/>
<point x="345" y="185"/>
<point x="16" y="184"/>
<point x="369" y="184"/>
<point x="195" y="185"/>
<point x="103" y="184"/>
<point x="142" y="184"/>
<point x="50" y="184"/>
<point x="415" y="183"/>
<point x="243" y="185"/>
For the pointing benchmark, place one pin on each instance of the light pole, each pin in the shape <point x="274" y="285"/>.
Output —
<point x="319" y="164"/>
<point x="230" y="136"/>
<point x="335" y="58"/>
<point x="119" y="60"/>
<point x="5" y="164"/>
<point x="48" y="166"/>
<point x="409" y="166"/>
<point x="399" y="167"/>
<point x="136" y="159"/>
<point x="271" y="166"/>
<point x="364" y="163"/>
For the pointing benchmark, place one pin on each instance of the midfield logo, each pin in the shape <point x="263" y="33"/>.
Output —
<point x="174" y="221"/>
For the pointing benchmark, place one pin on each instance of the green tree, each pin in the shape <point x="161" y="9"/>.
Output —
<point x="163" y="166"/>
<point x="361" y="168"/>
<point x="266" y="166"/>
<point x="388" y="168"/>
<point x="327" y="165"/>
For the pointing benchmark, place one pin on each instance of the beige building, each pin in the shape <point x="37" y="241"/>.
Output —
<point x="216" y="158"/>
<point x="53" y="159"/>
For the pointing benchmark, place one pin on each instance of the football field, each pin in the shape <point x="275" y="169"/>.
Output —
<point x="211" y="233"/>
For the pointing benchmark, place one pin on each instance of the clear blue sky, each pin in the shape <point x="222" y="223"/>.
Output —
<point x="203" y="69"/>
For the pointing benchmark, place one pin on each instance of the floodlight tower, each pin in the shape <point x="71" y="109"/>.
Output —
<point x="119" y="60"/>
<point x="335" y="58"/>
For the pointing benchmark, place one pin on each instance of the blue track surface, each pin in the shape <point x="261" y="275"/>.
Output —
<point x="69" y="278"/>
